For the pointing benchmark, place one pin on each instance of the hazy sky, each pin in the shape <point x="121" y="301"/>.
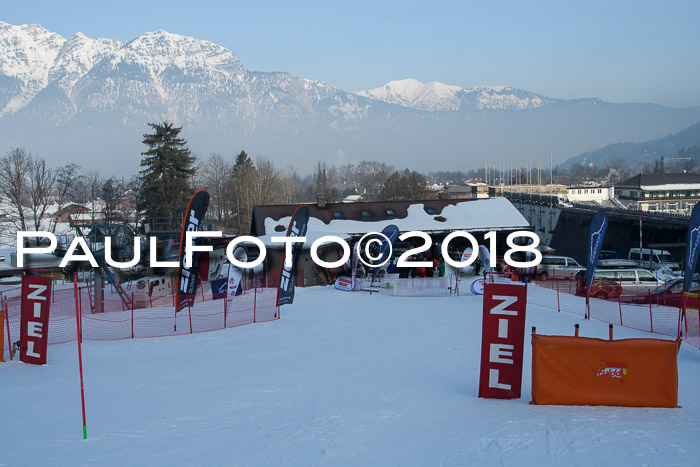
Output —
<point x="620" y="51"/>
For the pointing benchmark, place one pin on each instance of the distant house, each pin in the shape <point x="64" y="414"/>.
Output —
<point x="457" y="192"/>
<point x="63" y="215"/>
<point x="352" y="199"/>
<point x="675" y="193"/>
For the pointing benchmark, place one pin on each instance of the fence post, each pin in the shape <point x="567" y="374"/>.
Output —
<point x="558" y="307"/>
<point x="619" y="304"/>
<point x="588" y="302"/>
<point x="665" y="289"/>
<point x="92" y="310"/>
<point x="7" y="324"/>
<point x="651" y="315"/>
<point x="189" y="312"/>
<point x="255" y="303"/>
<point x="132" y="314"/>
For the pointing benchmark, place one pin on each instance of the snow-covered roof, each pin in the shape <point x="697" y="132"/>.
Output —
<point x="473" y="215"/>
<point x="671" y="187"/>
<point x="311" y="237"/>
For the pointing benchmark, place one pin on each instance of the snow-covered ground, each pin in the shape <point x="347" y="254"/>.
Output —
<point x="341" y="379"/>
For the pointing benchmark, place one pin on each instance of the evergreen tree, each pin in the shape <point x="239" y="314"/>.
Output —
<point x="243" y="177"/>
<point x="167" y="170"/>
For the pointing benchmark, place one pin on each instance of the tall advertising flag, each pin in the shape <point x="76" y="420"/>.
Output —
<point x="297" y="228"/>
<point x="693" y="247"/>
<point x="389" y="235"/>
<point x="596" y="235"/>
<point x="188" y="278"/>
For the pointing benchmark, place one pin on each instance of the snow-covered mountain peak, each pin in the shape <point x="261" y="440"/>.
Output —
<point x="413" y="93"/>
<point x="27" y="53"/>
<point x="436" y="96"/>
<point x="162" y="49"/>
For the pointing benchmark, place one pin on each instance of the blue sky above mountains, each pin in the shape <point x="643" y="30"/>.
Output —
<point x="619" y="51"/>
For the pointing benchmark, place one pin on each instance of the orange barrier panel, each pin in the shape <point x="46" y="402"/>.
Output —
<point x="584" y="371"/>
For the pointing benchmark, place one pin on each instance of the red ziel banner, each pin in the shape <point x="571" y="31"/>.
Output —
<point x="34" y="326"/>
<point x="502" y="340"/>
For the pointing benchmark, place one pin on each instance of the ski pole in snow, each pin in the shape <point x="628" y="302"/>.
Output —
<point x="80" y="356"/>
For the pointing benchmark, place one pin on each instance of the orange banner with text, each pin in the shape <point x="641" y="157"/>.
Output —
<point x="585" y="371"/>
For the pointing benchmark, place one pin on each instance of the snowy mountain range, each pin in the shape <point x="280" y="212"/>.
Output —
<point x="64" y="97"/>
<point x="436" y="96"/>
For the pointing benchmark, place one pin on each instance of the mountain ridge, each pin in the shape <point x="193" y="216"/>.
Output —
<point x="55" y="92"/>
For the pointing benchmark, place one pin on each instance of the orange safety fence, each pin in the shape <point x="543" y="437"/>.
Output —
<point x="584" y="371"/>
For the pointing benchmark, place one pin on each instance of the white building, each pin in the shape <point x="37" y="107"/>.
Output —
<point x="676" y="193"/>
<point x="590" y="194"/>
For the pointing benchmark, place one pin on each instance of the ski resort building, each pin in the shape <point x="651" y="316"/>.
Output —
<point x="675" y="193"/>
<point x="351" y="221"/>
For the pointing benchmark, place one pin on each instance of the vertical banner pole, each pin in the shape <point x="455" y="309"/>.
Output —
<point x="80" y="355"/>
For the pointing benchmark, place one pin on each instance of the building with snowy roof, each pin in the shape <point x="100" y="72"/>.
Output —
<point x="675" y="193"/>
<point x="350" y="221"/>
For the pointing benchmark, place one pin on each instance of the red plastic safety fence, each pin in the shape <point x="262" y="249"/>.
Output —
<point x="113" y="319"/>
<point x="690" y="324"/>
<point x="646" y="311"/>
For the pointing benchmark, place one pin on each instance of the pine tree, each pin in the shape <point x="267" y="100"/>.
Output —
<point x="243" y="178"/>
<point x="167" y="171"/>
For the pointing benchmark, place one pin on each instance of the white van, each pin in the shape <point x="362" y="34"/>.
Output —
<point x="654" y="259"/>
<point x="559" y="267"/>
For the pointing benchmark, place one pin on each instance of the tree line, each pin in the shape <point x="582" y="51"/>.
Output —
<point x="168" y="177"/>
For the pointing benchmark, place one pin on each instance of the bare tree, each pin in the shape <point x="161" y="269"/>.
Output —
<point x="410" y="186"/>
<point x="290" y="184"/>
<point x="64" y="189"/>
<point x="268" y="182"/>
<point x="370" y="177"/>
<point x="216" y="178"/>
<point x="39" y="188"/>
<point x="14" y="170"/>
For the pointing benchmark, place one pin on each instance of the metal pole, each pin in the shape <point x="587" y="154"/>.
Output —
<point x="80" y="355"/>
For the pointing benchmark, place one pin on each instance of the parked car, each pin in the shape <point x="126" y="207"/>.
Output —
<point x="558" y="267"/>
<point x="654" y="259"/>
<point x="670" y="294"/>
<point x="631" y="283"/>
<point x="608" y="254"/>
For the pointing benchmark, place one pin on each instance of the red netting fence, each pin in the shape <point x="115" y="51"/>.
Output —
<point x="150" y="313"/>
<point x="654" y="309"/>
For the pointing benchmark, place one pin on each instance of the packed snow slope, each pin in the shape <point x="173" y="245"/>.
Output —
<point x="341" y="379"/>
